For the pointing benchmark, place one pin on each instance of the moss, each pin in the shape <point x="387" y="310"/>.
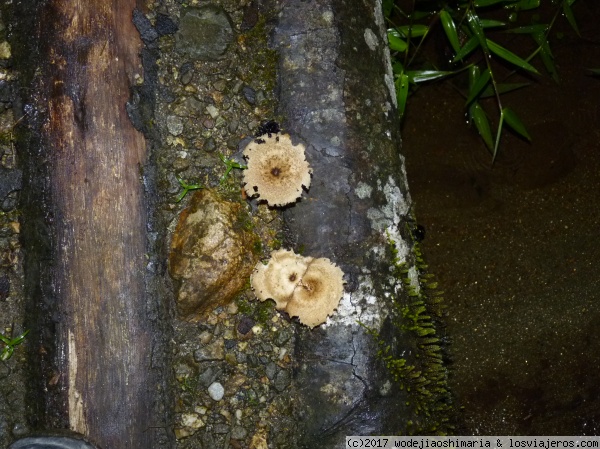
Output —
<point x="415" y="317"/>
<point x="262" y="70"/>
<point x="259" y="311"/>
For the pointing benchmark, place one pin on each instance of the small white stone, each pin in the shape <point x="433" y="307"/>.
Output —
<point x="216" y="391"/>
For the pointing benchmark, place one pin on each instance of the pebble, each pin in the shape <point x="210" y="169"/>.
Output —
<point x="174" y="125"/>
<point x="216" y="391"/>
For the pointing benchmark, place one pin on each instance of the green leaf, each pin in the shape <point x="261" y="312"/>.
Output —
<point x="387" y="6"/>
<point x="515" y="123"/>
<point x="402" y="84"/>
<point x="6" y="353"/>
<point x="528" y="29"/>
<point x="469" y="46"/>
<point x="525" y="5"/>
<point x="477" y="29"/>
<point x="397" y="68"/>
<point x="450" y="29"/>
<point x="595" y="71"/>
<point x="413" y="30"/>
<point x="570" y="17"/>
<point x="510" y="56"/>
<point x="546" y="54"/>
<point x="474" y="73"/>
<point x="482" y="123"/>
<point x="478" y="85"/>
<point x="489" y="23"/>
<point x="484" y="3"/>
<point x="395" y="41"/>
<point x="421" y="76"/>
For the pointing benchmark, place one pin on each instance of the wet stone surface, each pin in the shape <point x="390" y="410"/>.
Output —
<point x="213" y="92"/>
<point x="212" y="253"/>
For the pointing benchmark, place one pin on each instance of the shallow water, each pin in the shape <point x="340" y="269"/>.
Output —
<point x="515" y="246"/>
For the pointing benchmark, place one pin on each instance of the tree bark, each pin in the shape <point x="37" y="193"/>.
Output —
<point x="355" y="211"/>
<point x="91" y="275"/>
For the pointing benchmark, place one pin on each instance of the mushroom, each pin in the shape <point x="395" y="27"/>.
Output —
<point x="318" y="293"/>
<point x="278" y="279"/>
<point x="305" y="287"/>
<point x="277" y="170"/>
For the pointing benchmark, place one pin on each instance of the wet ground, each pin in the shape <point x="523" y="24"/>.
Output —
<point x="516" y="246"/>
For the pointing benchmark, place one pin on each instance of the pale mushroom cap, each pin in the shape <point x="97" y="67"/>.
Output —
<point x="318" y="294"/>
<point x="277" y="170"/>
<point x="305" y="287"/>
<point x="278" y="279"/>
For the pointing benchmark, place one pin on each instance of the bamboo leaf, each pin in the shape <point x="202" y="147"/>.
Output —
<point x="387" y="6"/>
<point x="477" y="29"/>
<point x="450" y="29"/>
<point x="395" y="41"/>
<point x="530" y="29"/>
<point x="469" y="46"/>
<point x="478" y="85"/>
<point x="482" y="123"/>
<point x="413" y="30"/>
<point x="510" y="56"/>
<point x="524" y="5"/>
<point x="515" y="123"/>
<point x="546" y="54"/>
<point x="489" y="23"/>
<point x="397" y="68"/>
<point x="402" y="93"/>
<point x="421" y="76"/>
<point x="570" y="17"/>
<point x="473" y="75"/>
<point x="484" y="3"/>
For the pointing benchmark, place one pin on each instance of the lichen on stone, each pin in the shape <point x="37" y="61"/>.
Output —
<point x="211" y="254"/>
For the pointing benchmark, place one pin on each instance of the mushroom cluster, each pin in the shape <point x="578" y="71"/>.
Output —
<point x="277" y="170"/>
<point x="305" y="287"/>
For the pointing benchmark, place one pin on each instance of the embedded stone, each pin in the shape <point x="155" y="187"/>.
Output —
<point x="216" y="391"/>
<point x="204" y="33"/>
<point x="212" y="254"/>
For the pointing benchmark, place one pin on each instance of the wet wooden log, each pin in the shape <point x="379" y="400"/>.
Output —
<point x="337" y="95"/>
<point x="92" y="281"/>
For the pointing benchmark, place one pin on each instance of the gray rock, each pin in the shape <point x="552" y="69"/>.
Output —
<point x="238" y="433"/>
<point x="174" y="125"/>
<point x="204" y="33"/>
<point x="271" y="370"/>
<point x="282" y="380"/>
<point x="209" y="376"/>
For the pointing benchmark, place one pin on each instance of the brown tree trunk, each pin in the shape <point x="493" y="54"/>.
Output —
<point x="88" y="58"/>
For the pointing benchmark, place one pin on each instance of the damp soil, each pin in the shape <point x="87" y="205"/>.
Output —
<point x="515" y="246"/>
